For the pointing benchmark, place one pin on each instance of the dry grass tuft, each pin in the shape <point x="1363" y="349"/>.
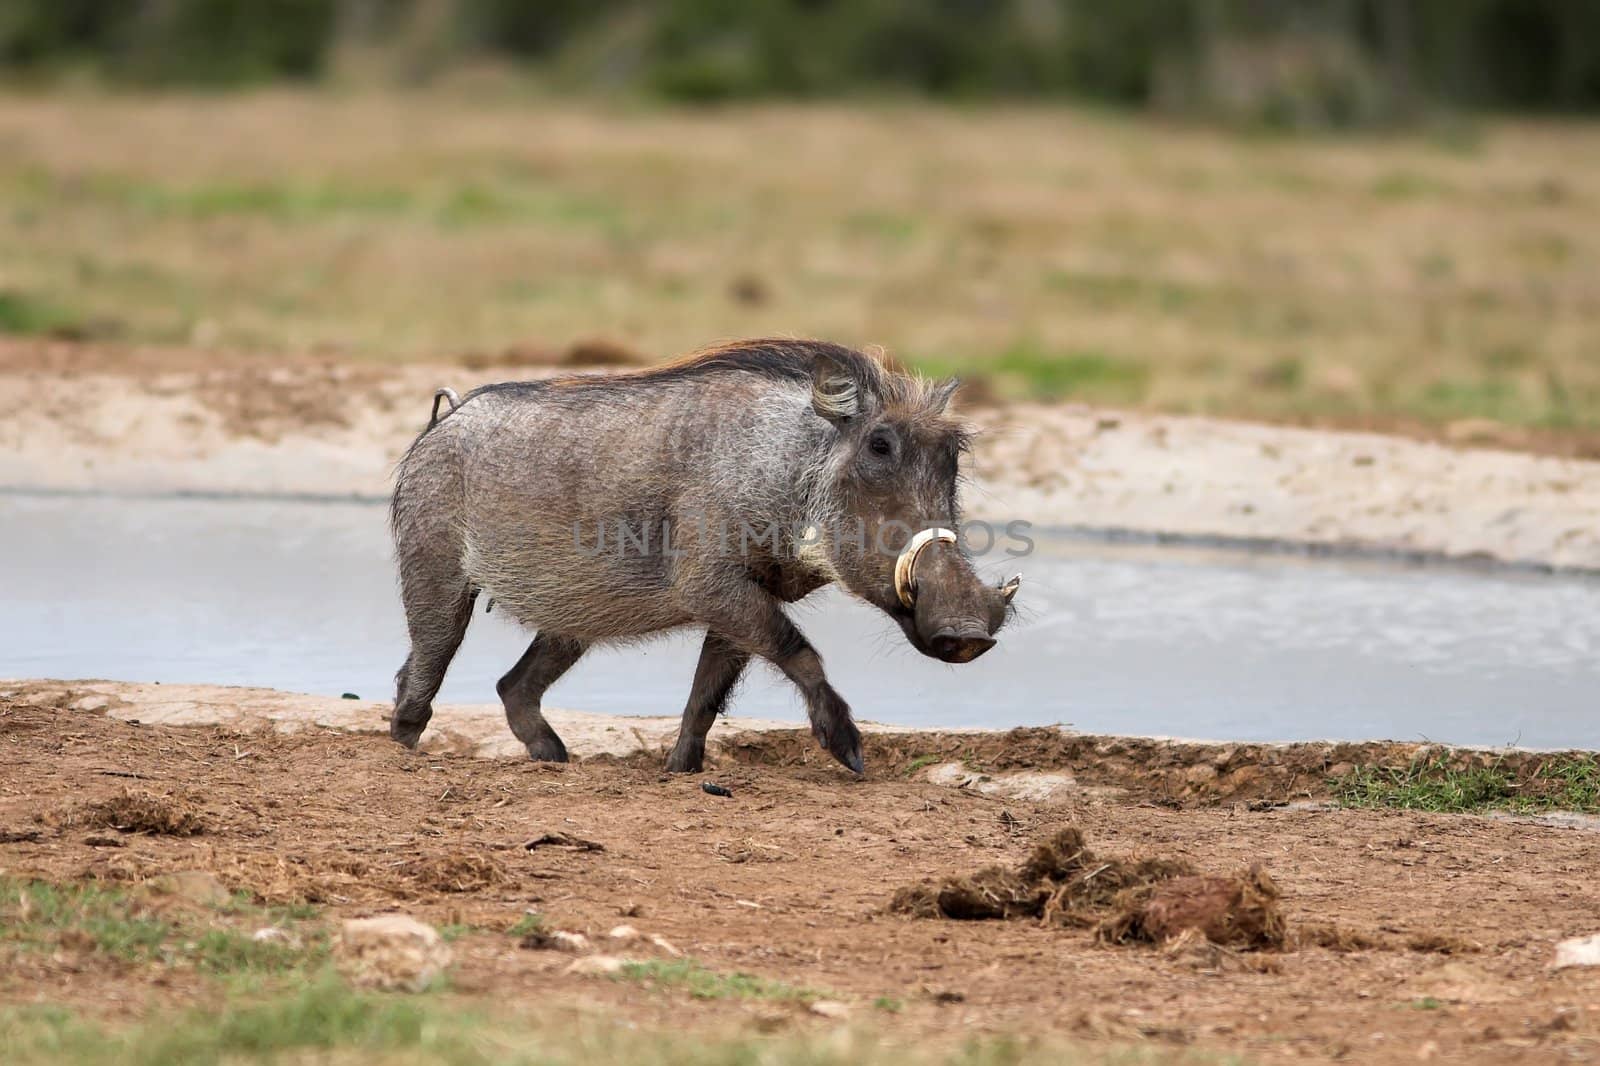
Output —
<point x="136" y="811"/>
<point x="455" y="872"/>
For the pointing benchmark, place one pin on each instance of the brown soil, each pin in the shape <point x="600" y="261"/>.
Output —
<point x="790" y="880"/>
<point x="1168" y="773"/>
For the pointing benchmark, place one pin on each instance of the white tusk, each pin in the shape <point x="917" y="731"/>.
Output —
<point x="1009" y="589"/>
<point x="905" y="585"/>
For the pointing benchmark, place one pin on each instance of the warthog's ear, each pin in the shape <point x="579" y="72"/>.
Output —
<point x="942" y="393"/>
<point x="836" y="393"/>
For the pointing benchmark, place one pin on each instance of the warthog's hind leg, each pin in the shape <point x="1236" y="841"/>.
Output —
<point x="720" y="666"/>
<point x="437" y="618"/>
<point x="547" y="658"/>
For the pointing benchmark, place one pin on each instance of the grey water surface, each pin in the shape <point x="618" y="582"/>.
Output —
<point x="300" y="596"/>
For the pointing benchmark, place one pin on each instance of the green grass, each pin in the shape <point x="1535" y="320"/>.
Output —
<point x="527" y="925"/>
<point x="501" y="198"/>
<point x="1026" y="370"/>
<point x="38" y="916"/>
<point x="702" y="983"/>
<point x="1112" y="261"/>
<point x="328" y="1022"/>
<point x="1440" y="784"/>
<point x="21" y="313"/>
<point x="919" y="762"/>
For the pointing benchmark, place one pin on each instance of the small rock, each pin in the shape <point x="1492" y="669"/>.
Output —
<point x="830" y="1008"/>
<point x="556" y="940"/>
<point x="627" y="934"/>
<point x="391" y="951"/>
<point x="1579" y="951"/>
<point x="92" y="703"/>
<point x="603" y="965"/>
<point x="274" y="934"/>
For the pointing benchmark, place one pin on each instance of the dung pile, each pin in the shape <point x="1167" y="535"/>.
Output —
<point x="1151" y="899"/>
<point x="131" y="811"/>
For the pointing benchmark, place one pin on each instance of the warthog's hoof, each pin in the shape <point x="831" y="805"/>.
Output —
<point x="547" y="749"/>
<point x="686" y="760"/>
<point x="843" y="741"/>
<point x="407" y="733"/>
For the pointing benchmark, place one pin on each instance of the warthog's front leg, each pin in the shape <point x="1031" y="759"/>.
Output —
<point x="547" y="658"/>
<point x="755" y="623"/>
<point x="721" y="663"/>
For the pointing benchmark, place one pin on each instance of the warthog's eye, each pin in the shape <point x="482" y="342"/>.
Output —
<point x="881" y="443"/>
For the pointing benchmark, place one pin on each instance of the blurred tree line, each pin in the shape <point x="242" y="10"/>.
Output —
<point x="1280" y="62"/>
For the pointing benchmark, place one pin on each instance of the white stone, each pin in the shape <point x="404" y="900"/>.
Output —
<point x="605" y="965"/>
<point x="391" y="951"/>
<point x="1579" y="951"/>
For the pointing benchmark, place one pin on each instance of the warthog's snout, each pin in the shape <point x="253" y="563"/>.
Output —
<point x="960" y="645"/>
<point x="949" y="613"/>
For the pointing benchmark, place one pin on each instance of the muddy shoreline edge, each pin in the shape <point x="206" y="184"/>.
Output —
<point x="1039" y="762"/>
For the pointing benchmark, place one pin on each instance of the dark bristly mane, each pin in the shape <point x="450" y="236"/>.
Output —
<point x="901" y="394"/>
<point x="777" y="358"/>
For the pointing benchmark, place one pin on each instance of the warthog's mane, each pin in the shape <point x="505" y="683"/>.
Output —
<point x="901" y="395"/>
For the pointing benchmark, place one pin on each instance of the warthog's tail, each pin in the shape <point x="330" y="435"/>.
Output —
<point x="443" y="394"/>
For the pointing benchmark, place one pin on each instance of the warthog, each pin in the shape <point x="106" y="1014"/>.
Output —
<point x="706" y="492"/>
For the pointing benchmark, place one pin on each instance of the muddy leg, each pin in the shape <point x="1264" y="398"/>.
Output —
<point x="720" y="666"/>
<point x="547" y="658"/>
<point x="437" y="618"/>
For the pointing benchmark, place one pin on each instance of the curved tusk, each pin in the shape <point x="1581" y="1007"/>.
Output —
<point x="905" y="585"/>
<point x="1009" y="589"/>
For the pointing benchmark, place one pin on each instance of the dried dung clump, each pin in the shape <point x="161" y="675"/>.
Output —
<point x="1339" y="938"/>
<point x="131" y="811"/>
<point x="1063" y="882"/>
<point x="1240" y="911"/>
<point x="456" y="872"/>
<point x="1441" y="944"/>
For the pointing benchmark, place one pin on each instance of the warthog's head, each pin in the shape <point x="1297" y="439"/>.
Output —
<point x="892" y="481"/>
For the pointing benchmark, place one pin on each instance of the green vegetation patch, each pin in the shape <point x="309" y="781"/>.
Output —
<point x="29" y="315"/>
<point x="328" y="1022"/>
<point x="38" y="916"/>
<point x="1027" y="370"/>
<point x="527" y="925"/>
<point x="1452" y="784"/>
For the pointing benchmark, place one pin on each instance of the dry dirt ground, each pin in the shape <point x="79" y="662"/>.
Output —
<point x="96" y="417"/>
<point x="789" y="879"/>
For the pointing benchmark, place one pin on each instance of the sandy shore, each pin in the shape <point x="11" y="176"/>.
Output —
<point x="91" y="419"/>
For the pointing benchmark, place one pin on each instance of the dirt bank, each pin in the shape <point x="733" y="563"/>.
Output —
<point x="1046" y="763"/>
<point x="146" y="420"/>
<point x="790" y="878"/>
